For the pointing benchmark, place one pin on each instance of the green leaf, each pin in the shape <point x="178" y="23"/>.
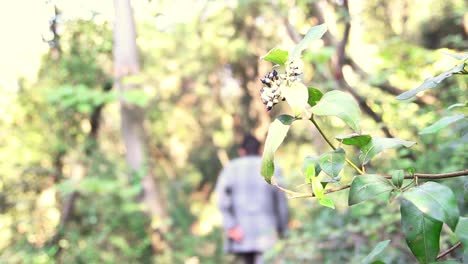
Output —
<point x="309" y="161"/>
<point x="375" y="252"/>
<point x="314" y="96"/>
<point x="435" y="200"/>
<point x="327" y="202"/>
<point x="442" y="123"/>
<point x="432" y="82"/>
<point x="277" y="56"/>
<point x="368" y="186"/>
<point x="355" y="139"/>
<point x="317" y="187"/>
<point x="310" y="173"/>
<point x="397" y="177"/>
<point x="314" y="33"/>
<point x="296" y="96"/>
<point x="462" y="233"/>
<point x="377" y="145"/>
<point x="276" y="134"/>
<point x="333" y="162"/>
<point x="340" y="104"/>
<point x="421" y="232"/>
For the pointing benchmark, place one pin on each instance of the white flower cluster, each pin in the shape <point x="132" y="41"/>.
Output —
<point x="271" y="92"/>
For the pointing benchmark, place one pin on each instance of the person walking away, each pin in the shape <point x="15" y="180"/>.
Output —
<point x="254" y="212"/>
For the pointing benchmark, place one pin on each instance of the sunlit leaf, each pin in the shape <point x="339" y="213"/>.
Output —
<point x="397" y="177"/>
<point x="277" y="56"/>
<point x="421" y="232"/>
<point x="317" y="187"/>
<point x="368" y="186"/>
<point x="432" y="82"/>
<point x="435" y="200"/>
<point x="442" y="123"/>
<point x="276" y="134"/>
<point x="314" y="33"/>
<point x="327" y="202"/>
<point x="332" y="162"/>
<point x="311" y="161"/>
<point x="340" y="104"/>
<point x="309" y="172"/>
<point x="355" y="139"/>
<point x="375" y="252"/>
<point x="296" y="96"/>
<point x="314" y="96"/>
<point x="377" y="145"/>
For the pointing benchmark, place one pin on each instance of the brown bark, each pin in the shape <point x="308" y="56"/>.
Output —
<point x="132" y="119"/>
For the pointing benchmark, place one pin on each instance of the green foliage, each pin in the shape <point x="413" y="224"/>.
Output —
<point x="314" y="33"/>
<point x="432" y="82"/>
<point x="368" y="186"/>
<point x="436" y="201"/>
<point x="377" y="145"/>
<point x="332" y="162"/>
<point x="340" y="104"/>
<point x="314" y="96"/>
<point x="371" y="258"/>
<point x="442" y="123"/>
<point x="277" y="132"/>
<point x="355" y="140"/>
<point x="462" y="232"/>
<point x="421" y="232"/>
<point x="397" y="177"/>
<point x="277" y="56"/>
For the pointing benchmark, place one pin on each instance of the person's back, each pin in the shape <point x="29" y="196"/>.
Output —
<point x="254" y="212"/>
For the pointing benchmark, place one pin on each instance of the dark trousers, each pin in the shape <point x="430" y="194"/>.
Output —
<point x="250" y="257"/>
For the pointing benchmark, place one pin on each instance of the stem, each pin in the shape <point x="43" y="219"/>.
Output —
<point x="433" y="176"/>
<point x="446" y="252"/>
<point x="332" y="146"/>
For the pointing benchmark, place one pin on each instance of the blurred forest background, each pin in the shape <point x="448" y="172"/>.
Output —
<point x="67" y="193"/>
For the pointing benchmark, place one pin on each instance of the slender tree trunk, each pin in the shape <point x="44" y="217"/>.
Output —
<point x="132" y="119"/>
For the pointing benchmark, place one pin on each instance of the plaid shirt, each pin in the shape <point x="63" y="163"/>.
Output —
<point x="246" y="200"/>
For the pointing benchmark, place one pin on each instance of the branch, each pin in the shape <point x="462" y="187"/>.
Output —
<point x="446" y="252"/>
<point x="341" y="81"/>
<point x="433" y="176"/>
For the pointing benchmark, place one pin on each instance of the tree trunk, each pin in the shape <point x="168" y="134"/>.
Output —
<point x="132" y="119"/>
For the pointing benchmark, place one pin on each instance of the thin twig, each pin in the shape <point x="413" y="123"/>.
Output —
<point x="433" y="176"/>
<point x="446" y="252"/>
<point x="333" y="147"/>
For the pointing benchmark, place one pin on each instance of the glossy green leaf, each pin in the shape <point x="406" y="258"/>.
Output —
<point x="462" y="233"/>
<point x="435" y="200"/>
<point x="432" y="82"/>
<point x="314" y="96"/>
<point x="296" y="96"/>
<point x="314" y="33"/>
<point x="327" y="202"/>
<point x="277" y="56"/>
<point x="368" y="186"/>
<point x="421" y="232"/>
<point x="355" y="139"/>
<point x="276" y="134"/>
<point x="397" y="177"/>
<point x="332" y="162"/>
<point x="375" y="252"/>
<point x="442" y="123"/>
<point x="340" y="104"/>
<point x="377" y="145"/>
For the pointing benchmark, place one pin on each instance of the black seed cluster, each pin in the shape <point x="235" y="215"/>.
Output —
<point x="271" y="92"/>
